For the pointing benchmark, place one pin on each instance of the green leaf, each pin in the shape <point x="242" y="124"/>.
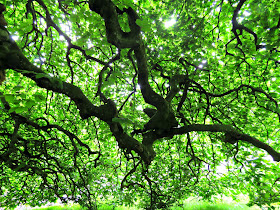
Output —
<point x="10" y="98"/>
<point x="30" y="103"/>
<point x="122" y="120"/>
<point x="144" y="25"/>
<point x="39" y="98"/>
<point x="66" y="81"/>
<point x="13" y="109"/>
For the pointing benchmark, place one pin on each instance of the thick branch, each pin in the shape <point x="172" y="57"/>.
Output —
<point x="125" y="141"/>
<point x="107" y="10"/>
<point x="227" y="129"/>
<point x="11" y="57"/>
<point x="149" y="95"/>
<point x="121" y="39"/>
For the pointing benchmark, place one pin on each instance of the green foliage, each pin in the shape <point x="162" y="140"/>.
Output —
<point x="188" y="205"/>
<point x="72" y="125"/>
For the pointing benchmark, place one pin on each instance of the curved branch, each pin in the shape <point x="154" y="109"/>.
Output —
<point x="116" y="36"/>
<point x="11" y="57"/>
<point x="253" y="89"/>
<point x="230" y="130"/>
<point x="236" y="26"/>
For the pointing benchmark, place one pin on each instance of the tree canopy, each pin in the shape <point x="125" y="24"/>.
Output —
<point x="145" y="101"/>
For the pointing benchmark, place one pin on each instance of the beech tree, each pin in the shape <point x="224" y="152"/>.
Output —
<point x="146" y="102"/>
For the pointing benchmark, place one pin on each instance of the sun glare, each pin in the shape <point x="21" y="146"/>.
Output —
<point x="169" y="23"/>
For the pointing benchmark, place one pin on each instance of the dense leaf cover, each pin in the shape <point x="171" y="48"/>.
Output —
<point x="143" y="101"/>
